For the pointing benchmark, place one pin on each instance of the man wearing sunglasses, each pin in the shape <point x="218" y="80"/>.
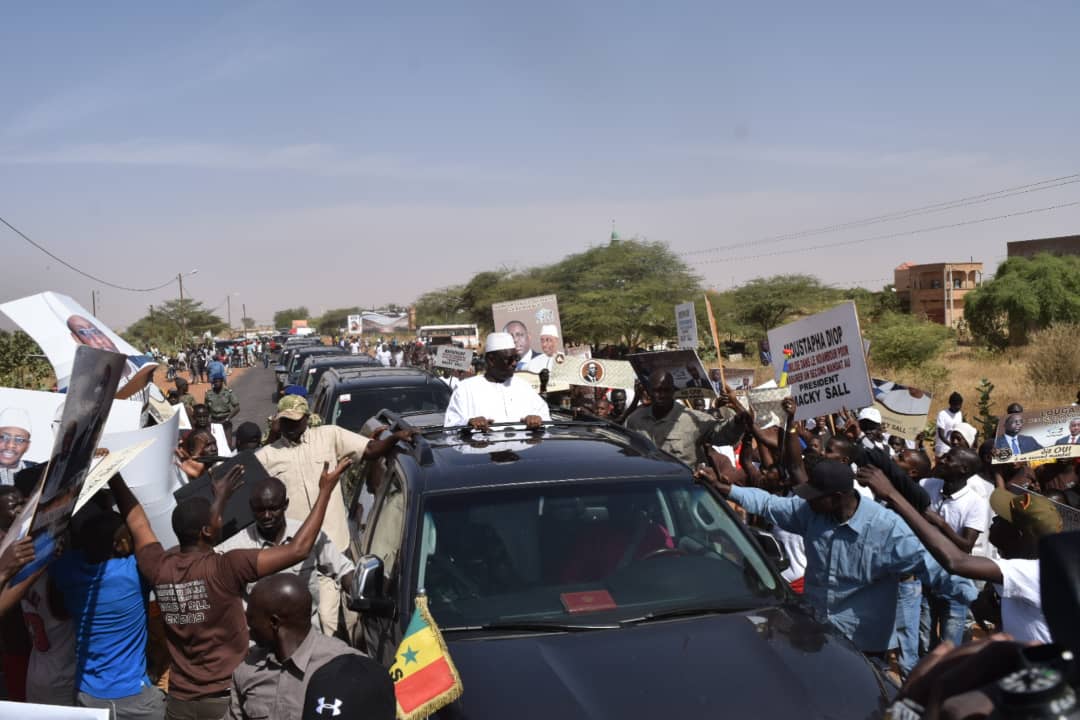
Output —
<point x="14" y="442"/>
<point x="496" y="396"/>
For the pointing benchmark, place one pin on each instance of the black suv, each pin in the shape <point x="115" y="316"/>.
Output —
<point x="315" y="366"/>
<point x="349" y="396"/>
<point x="288" y="372"/>
<point x="579" y="572"/>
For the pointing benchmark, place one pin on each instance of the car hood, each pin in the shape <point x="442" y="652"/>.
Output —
<point x="771" y="663"/>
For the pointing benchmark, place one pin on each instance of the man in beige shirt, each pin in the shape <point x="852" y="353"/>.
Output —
<point x="298" y="457"/>
<point x="272" y="680"/>
<point x="677" y="429"/>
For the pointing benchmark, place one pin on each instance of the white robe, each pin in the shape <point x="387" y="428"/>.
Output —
<point x="509" y="401"/>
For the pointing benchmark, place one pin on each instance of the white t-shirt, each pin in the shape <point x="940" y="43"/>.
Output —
<point x="983" y="546"/>
<point x="964" y="509"/>
<point x="947" y="422"/>
<point x="508" y="401"/>
<point x="1021" y="602"/>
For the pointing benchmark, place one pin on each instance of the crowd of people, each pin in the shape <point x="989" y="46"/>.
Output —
<point x="900" y="545"/>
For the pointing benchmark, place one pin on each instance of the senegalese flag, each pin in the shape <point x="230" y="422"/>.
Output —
<point x="425" y="678"/>
<point x="783" y="371"/>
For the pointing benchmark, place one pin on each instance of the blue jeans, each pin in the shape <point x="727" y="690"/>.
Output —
<point x="941" y="620"/>
<point x="908" y="604"/>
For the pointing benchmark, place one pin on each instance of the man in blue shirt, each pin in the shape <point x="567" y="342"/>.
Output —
<point x="856" y="552"/>
<point x="108" y="604"/>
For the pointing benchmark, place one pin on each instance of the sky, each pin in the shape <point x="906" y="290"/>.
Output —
<point x="339" y="153"/>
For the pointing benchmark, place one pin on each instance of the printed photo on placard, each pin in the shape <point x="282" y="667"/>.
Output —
<point x="535" y="326"/>
<point x="684" y="366"/>
<point x="1038" y="435"/>
<point x="903" y="409"/>
<point x="591" y="372"/>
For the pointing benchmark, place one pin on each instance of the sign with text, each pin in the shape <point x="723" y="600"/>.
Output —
<point x="1038" y="435"/>
<point x="686" y="323"/>
<point x="903" y="409"/>
<point x="685" y="369"/>
<point x="827" y="367"/>
<point x="453" y="357"/>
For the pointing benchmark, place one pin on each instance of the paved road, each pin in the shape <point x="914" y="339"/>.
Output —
<point x="253" y="389"/>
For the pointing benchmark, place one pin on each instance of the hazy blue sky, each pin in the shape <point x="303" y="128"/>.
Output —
<point x="340" y="153"/>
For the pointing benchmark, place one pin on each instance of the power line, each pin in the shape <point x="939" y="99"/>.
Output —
<point x="1048" y="184"/>
<point x="890" y="236"/>
<point x="68" y="265"/>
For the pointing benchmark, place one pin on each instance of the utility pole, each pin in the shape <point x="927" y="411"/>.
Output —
<point x="183" y="315"/>
<point x="243" y="308"/>
<point x="228" y="305"/>
<point x="93" y="303"/>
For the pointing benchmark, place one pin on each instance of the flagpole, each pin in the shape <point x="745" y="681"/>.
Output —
<point x="715" y="339"/>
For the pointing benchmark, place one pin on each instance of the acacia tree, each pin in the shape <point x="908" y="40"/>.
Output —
<point x="765" y="303"/>
<point x="165" y="325"/>
<point x="284" y="318"/>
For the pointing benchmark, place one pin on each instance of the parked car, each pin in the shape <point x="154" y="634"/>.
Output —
<point x="288" y="372"/>
<point x="349" y="396"/>
<point x="315" y="366"/>
<point x="579" y="572"/>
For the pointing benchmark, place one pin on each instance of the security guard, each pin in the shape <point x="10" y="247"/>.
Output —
<point x="222" y="404"/>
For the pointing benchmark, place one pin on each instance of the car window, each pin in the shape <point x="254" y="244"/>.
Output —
<point x="385" y="528"/>
<point x="535" y="553"/>
<point x="352" y="409"/>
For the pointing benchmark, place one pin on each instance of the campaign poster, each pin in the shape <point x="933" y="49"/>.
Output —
<point x="569" y="370"/>
<point x="102" y="470"/>
<point x="60" y="325"/>
<point x="95" y="375"/>
<point x="826" y="368"/>
<point x="767" y="400"/>
<point x="373" y="323"/>
<point x="1038" y="435"/>
<point x="354" y="325"/>
<point x="535" y="326"/>
<point x="684" y="366"/>
<point x="453" y="357"/>
<point x="903" y="409"/>
<point x="740" y="379"/>
<point x="686" y="324"/>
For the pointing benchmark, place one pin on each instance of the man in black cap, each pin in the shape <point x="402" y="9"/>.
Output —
<point x="856" y="552"/>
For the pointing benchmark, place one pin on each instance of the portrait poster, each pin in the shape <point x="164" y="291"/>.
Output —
<point x="373" y="323"/>
<point x="1038" y="435"/>
<point x="740" y="379"/>
<point x="526" y="320"/>
<point x="827" y="366"/>
<point x="95" y="375"/>
<point x="691" y="380"/>
<point x="354" y="325"/>
<point x="589" y="372"/>
<point x="60" y="325"/>
<point x="903" y="409"/>
<point x="686" y="324"/>
<point x="453" y="357"/>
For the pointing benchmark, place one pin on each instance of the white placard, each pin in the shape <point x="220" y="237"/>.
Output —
<point x="105" y="468"/>
<point x="686" y="322"/>
<point x="453" y="357"/>
<point x="34" y="711"/>
<point x="827" y="367"/>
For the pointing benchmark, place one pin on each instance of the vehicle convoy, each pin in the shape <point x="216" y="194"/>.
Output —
<point x="289" y="371"/>
<point x="315" y="366"/>
<point x="577" y="571"/>
<point x="349" y="396"/>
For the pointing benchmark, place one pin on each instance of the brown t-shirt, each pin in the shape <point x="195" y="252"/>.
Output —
<point x="205" y="627"/>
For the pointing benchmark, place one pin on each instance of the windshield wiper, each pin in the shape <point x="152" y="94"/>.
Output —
<point x="532" y="626"/>
<point x="685" y="612"/>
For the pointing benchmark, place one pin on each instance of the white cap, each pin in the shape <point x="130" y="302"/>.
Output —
<point x="550" y="331"/>
<point x="968" y="432"/>
<point x="15" y="417"/>
<point x="499" y="341"/>
<point x="872" y="414"/>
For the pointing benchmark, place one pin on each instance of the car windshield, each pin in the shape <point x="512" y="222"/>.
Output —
<point x="586" y="553"/>
<point x="352" y="409"/>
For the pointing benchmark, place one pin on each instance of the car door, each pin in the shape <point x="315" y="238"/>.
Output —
<point x="383" y="538"/>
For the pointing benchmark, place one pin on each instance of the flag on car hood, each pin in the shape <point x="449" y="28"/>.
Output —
<point x="425" y="678"/>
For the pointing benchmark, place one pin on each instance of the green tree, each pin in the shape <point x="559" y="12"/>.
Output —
<point x="283" y="318"/>
<point x="899" y="341"/>
<point x="442" y="307"/>
<point x="766" y="303"/>
<point x="22" y="364"/>
<point x="1024" y="296"/>
<point x="331" y="321"/>
<point x="165" y="325"/>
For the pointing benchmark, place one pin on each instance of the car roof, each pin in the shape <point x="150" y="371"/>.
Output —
<point x="377" y="376"/>
<point x="509" y="455"/>
<point x="340" y="360"/>
<point x="319" y="350"/>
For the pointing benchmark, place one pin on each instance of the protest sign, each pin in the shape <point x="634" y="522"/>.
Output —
<point x="768" y="403"/>
<point x="826" y="368"/>
<point x="740" y="379"/>
<point x="526" y="320"/>
<point x="453" y="357"/>
<point x="60" y="325"/>
<point x="1038" y="435"/>
<point x="236" y="515"/>
<point x="684" y="366"/>
<point x="41" y="411"/>
<point x="95" y="375"/>
<point x="591" y="373"/>
<point x="903" y="409"/>
<point x="354" y="324"/>
<point x="686" y="324"/>
<point x="103" y="470"/>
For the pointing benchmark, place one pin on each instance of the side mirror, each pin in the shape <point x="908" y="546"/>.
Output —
<point x="772" y="549"/>
<point x="366" y="593"/>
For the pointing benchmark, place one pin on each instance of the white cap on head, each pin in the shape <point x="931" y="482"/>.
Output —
<point x="550" y="331"/>
<point x="968" y="432"/>
<point x="872" y="414"/>
<point x="499" y="341"/>
<point x="15" y="417"/>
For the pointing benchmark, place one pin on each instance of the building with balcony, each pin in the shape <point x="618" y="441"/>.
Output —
<point x="937" y="290"/>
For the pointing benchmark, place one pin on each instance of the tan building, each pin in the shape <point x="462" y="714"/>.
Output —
<point x="937" y="290"/>
<point x="1065" y="245"/>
